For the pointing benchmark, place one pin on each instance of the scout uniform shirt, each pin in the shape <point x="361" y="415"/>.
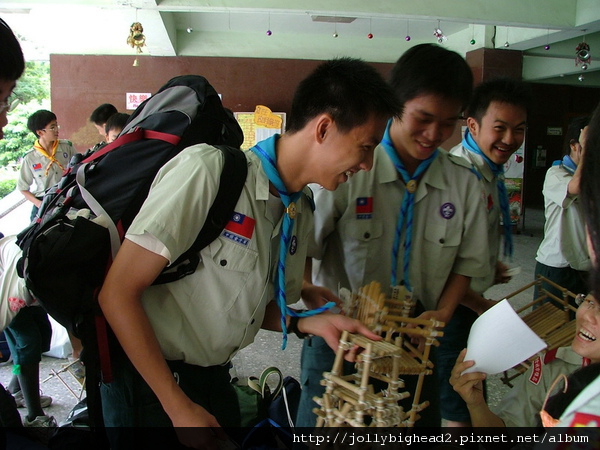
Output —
<point x="35" y="170"/>
<point x="356" y="226"/>
<point x="489" y="183"/>
<point x="521" y="406"/>
<point x="564" y="243"/>
<point x="14" y="295"/>
<point x="206" y="317"/>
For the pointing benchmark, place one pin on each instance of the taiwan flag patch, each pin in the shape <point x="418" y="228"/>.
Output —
<point x="37" y="166"/>
<point x="364" y="207"/>
<point x="239" y="228"/>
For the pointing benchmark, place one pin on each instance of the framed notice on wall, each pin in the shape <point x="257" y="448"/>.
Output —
<point x="259" y="125"/>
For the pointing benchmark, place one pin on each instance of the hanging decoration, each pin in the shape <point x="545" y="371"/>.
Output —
<point x="547" y="46"/>
<point x="370" y="35"/>
<point x="583" y="55"/>
<point x="136" y="37"/>
<point x="335" y="33"/>
<point x="439" y="34"/>
<point x="407" y="37"/>
<point x="506" y="44"/>
<point x="269" y="32"/>
<point x="472" y="41"/>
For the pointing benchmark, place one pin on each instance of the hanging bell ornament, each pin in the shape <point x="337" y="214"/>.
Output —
<point x="335" y="34"/>
<point x="472" y="42"/>
<point x="547" y="47"/>
<point x="370" y="35"/>
<point x="269" y="32"/>
<point x="581" y="77"/>
<point x="407" y="38"/>
<point x="506" y="44"/>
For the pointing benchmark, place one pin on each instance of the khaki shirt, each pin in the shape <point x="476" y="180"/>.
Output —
<point x="564" y="243"/>
<point x="208" y="316"/>
<point x="489" y="182"/>
<point x="354" y="245"/>
<point x="522" y="405"/>
<point x="33" y="169"/>
<point x="14" y="295"/>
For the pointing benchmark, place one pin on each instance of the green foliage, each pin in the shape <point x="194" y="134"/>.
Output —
<point x="33" y="90"/>
<point x="34" y="85"/>
<point x="6" y="187"/>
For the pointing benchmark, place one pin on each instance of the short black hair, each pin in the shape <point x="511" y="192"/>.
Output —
<point x="503" y="90"/>
<point x="348" y="89"/>
<point x="12" y="63"/>
<point x="101" y="114"/>
<point x="590" y="194"/>
<point x="574" y="130"/>
<point x="431" y="69"/>
<point x="116" y="122"/>
<point x="39" y="119"/>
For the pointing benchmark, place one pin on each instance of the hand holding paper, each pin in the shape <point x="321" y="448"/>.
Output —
<point x="499" y="340"/>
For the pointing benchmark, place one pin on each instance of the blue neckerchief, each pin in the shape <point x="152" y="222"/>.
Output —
<point x="567" y="163"/>
<point x="406" y="208"/>
<point x="498" y="170"/>
<point x="265" y="150"/>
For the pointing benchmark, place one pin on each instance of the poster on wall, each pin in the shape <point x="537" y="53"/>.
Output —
<point x="133" y="99"/>
<point x="259" y="125"/>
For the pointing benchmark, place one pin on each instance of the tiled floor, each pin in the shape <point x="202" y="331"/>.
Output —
<point x="266" y="350"/>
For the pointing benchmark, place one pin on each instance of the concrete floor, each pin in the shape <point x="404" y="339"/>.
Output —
<point x="266" y="350"/>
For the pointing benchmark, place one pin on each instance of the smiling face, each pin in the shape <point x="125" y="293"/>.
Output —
<point x="427" y="122"/>
<point x="586" y="341"/>
<point x="345" y="153"/>
<point x="501" y="131"/>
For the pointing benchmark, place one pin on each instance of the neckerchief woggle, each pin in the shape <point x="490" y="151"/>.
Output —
<point x="406" y="208"/>
<point x="265" y="150"/>
<point x="566" y="163"/>
<point x="498" y="170"/>
<point x="49" y="156"/>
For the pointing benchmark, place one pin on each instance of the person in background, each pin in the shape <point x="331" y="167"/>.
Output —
<point x="114" y="126"/>
<point x="42" y="166"/>
<point x="496" y="122"/>
<point x="361" y="231"/>
<point x="100" y="116"/>
<point x="194" y="326"/>
<point x="12" y="287"/>
<point x="562" y="256"/>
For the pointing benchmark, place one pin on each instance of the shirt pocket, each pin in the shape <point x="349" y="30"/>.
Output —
<point x="361" y="244"/>
<point x="441" y="245"/>
<point x="232" y="257"/>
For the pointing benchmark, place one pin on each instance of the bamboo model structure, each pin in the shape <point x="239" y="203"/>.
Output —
<point x="350" y="399"/>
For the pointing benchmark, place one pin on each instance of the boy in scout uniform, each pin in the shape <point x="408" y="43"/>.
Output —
<point x="44" y="164"/>
<point x="435" y="248"/>
<point x="496" y="122"/>
<point x="179" y="337"/>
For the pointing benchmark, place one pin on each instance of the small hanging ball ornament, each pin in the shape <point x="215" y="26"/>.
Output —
<point x="269" y="32"/>
<point x="407" y="38"/>
<point x="547" y="47"/>
<point x="506" y="44"/>
<point x="472" y="42"/>
<point x="440" y="40"/>
<point x="370" y="35"/>
<point x="581" y="77"/>
<point x="584" y="66"/>
<point x="335" y="34"/>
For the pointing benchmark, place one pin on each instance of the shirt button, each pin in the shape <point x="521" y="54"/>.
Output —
<point x="442" y="240"/>
<point x="367" y="235"/>
<point x="223" y="262"/>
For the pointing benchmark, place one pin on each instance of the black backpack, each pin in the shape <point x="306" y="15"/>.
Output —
<point x="66" y="255"/>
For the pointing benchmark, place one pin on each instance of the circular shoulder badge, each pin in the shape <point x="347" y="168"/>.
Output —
<point x="293" y="245"/>
<point x="447" y="210"/>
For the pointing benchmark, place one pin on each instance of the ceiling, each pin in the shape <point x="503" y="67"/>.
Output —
<point x="238" y="28"/>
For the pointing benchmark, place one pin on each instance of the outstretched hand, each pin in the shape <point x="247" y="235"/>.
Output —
<point x="330" y="326"/>
<point x="469" y="385"/>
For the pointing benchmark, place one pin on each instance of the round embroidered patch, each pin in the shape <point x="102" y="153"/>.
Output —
<point x="447" y="210"/>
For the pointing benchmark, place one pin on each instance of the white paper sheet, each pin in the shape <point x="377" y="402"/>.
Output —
<point x="499" y="340"/>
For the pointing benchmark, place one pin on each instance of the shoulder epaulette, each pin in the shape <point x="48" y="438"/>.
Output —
<point x="463" y="162"/>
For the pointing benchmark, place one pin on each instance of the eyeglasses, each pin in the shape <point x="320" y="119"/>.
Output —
<point x="9" y="105"/>
<point x="52" y="128"/>
<point x="589" y="301"/>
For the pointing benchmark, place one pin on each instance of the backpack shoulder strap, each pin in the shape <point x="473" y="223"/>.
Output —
<point x="232" y="180"/>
